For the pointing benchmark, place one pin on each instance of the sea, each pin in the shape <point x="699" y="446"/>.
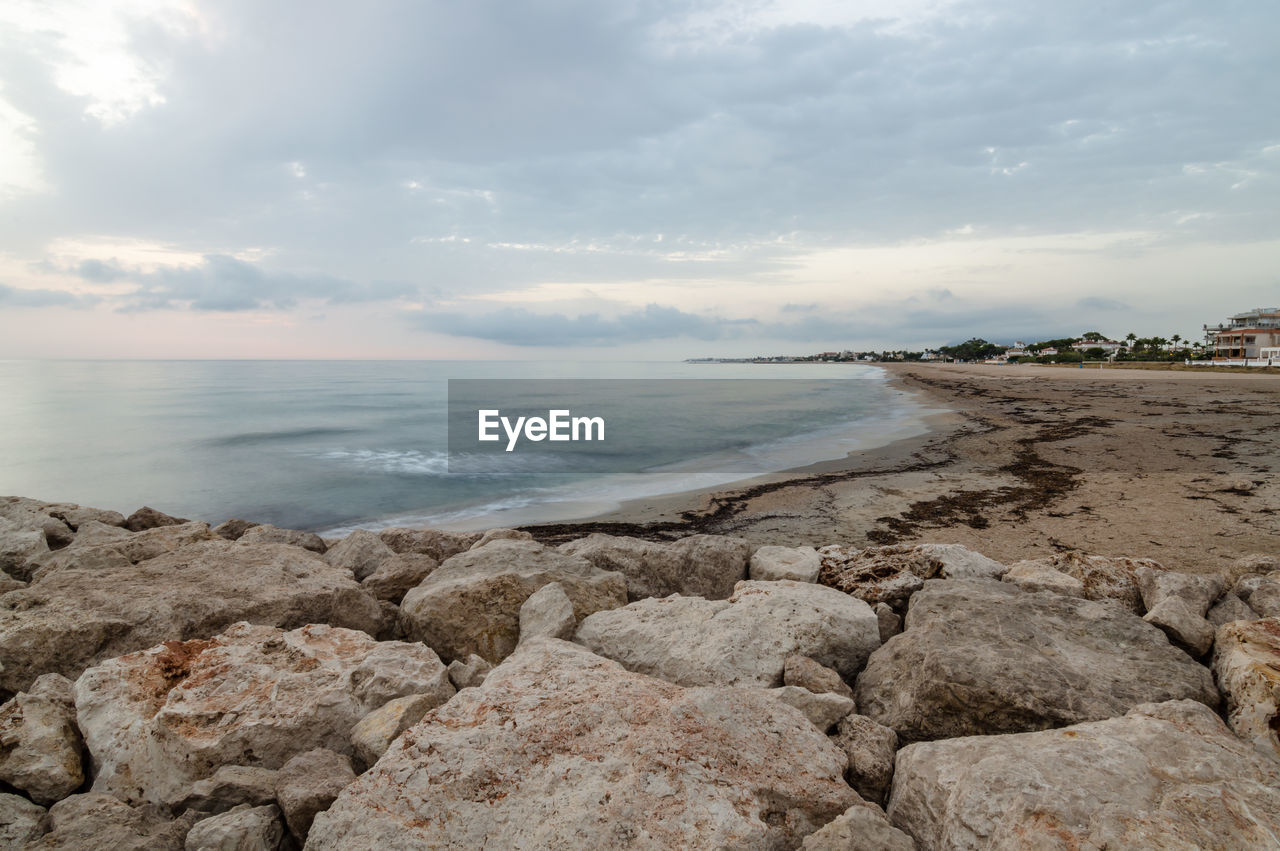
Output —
<point x="329" y="446"/>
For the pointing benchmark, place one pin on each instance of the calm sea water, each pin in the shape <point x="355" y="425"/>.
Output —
<point x="331" y="445"/>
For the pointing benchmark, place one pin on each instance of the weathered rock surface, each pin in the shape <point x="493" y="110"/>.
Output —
<point x="1254" y="564"/>
<point x="398" y="575"/>
<point x="361" y="552"/>
<point x="375" y="732"/>
<point x="548" y="613"/>
<point x="701" y="565"/>
<point x="242" y="828"/>
<point x="890" y="622"/>
<point x="800" y="564"/>
<point x="985" y="657"/>
<point x="308" y="784"/>
<point x="8" y="583"/>
<point x="157" y="720"/>
<point x="560" y="748"/>
<point x="501" y="535"/>
<point x="232" y="529"/>
<point x="892" y="574"/>
<point x="20" y="821"/>
<point x="1246" y="661"/>
<point x="19" y="548"/>
<point x="870" y="748"/>
<point x="147" y="517"/>
<point x="75" y="617"/>
<point x="102" y="821"/>
<point x="1033" y="576"/>
<point x="30" y="514"/>
<point x="431" y="542"/>
<point x="1157" y="586"/>
<point x="470" y="673"/>
<point x="1165" y="775"/>
<point x="1104" y="578"/>
<point x="230" y="786"/>
<point x="822" y="710"/>
<point x="1178" y="619"/>
<point x="39" y="742"/>
<point x="743" y="640"/>
<point x="809" y="674"/>
<point x="1229" y="608"/>
<point x="1261" y="593"/>
<point x="863" y="827"/>
<point x="471" y="603"/>
<point x="265" y="533"/>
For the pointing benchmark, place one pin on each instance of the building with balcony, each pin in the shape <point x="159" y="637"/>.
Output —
<point x="1245" y="335"/>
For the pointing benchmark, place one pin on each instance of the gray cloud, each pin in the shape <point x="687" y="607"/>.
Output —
<point x="520" y="327"/>
<point x="15" y="297"/>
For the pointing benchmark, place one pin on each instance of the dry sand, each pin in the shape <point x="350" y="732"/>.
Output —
<point x="1172" y="465"/>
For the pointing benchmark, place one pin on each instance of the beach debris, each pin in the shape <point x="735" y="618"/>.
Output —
<point x="78" y="615"/>
<point x="980" y="656"/>
<point x="1246" y="661"/>
<point x="1166" y="775"/>
<point x="800" y="564"/>
<point x="892" y="574"/>
<point x="265" y="533"/>
<point x="471" y="603"/>
<point x="307" y="784"/>
<point x="870" y="748"/>
<point x="157" y="720"/>
<point x="548" y="613"/>
<point x="700" y="565"/>
<point x="240" y="827"/>
<point x="798" y="670"/>
<point x="39" y="743"/>
<point x="744" y="640"/>
<point x="147" y="517"/>
<point x="561" y="748"/>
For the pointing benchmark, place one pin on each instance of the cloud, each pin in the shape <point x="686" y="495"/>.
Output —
<point x="15" y="297"/>
<point x="1097" y="303"/>
<point x="520" y="327"/>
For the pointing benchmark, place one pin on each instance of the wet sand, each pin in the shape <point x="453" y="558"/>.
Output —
<point x="1178" y="466"/>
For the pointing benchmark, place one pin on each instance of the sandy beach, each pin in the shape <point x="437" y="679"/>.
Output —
<point x="1172" y="465"/>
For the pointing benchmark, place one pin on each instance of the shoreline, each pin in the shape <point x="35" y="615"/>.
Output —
<point x="1030" y="462"/>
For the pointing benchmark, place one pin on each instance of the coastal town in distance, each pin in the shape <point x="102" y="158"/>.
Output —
<point x="1250" y="339"/>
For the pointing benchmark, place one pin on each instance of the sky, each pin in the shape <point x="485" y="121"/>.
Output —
<point x="643" y="179"/>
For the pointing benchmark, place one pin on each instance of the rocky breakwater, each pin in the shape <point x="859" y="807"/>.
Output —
<point x="168" y="685"/>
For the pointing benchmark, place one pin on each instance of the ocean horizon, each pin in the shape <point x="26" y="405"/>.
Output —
<point x="329" y="446"/>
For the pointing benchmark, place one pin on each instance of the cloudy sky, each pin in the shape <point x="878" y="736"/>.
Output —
<point x="634" y="178"/>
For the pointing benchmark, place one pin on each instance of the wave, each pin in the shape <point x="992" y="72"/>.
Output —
<point x="250" y="438"/>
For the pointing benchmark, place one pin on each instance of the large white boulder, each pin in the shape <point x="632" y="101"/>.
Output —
<point x="1246" y="662"/>
<point x="700" y="565"/>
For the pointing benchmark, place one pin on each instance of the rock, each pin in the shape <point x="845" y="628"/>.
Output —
<point x="101" y="821"/>
<point x="984" y="657"/>
<point x="39" y="742"/>
<point x="1166" y="775"/>
<point x="232" y="529"/>
<point x="1033" y="576"/>
<point x="157" y="720"/>
<point x="18" y="549"/>
<point x="1254" y="564"/>
<point x="73" y="617"/>
<point x="229" y="787"/>
<point x="389" y="628"/>
<point x="361" y="552"/>
<point x="398" y="575"/>
<point x="1157" y="586"/>
<point x="1179" y="620"/>
<point x="560" y="748"/>
<point x="242" y="828"/>
<point x="107" y="548"/>
<point x="822" y="710"/>
<point x="863" y="827"/>
<point x="31" y="514"/>
<point x="548" y="613"/>
<point x="870" y="748"/>
<point x="501" y="535"/>
<point x="1261" y="593"/>
<point x="470" y="673"/>
<point x="20" y="821"/>
<point x="800" y="564"/>
<point x="94" y="533"/>
<point x="8" y="584"/>
<point x="265" y="533"/>
<point x="888" y="621"/>
<point x="1246" y="661"/>
<point x="308" y="784"/>
<point x="1104" y="579"/>
<point x="1230" y="608"/>
<point x="77" y="516"/>
<point x="892" y="574"/>
<point x="471" y="603"/>
<point x="148" y="518"/>
<point x="744" y="640"/>
<point x="700" y="565"/>
<point x="375" y="732"/>
<point x="809" y="674"/>
<point x="431" y="542"/>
